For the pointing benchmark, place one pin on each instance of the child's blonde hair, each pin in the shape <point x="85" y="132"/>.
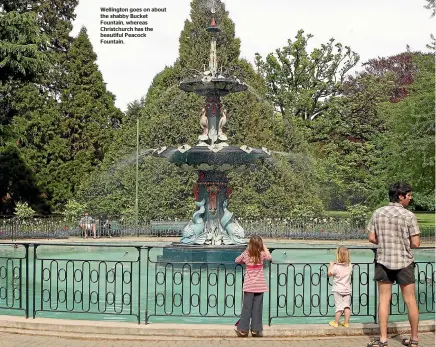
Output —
<point x="343" y="255"/>
<point x="255" y="247"/>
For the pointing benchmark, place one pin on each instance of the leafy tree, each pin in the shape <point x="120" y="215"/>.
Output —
<point x="344" y="138"/>
<point x="409" y="145"/>
<point x="281" y="187"/>
<point x="164" y="191"/>
<point x="402" y="68"/>
<point x="368" y="141"/>
<point x="303" y="84"/>
<point x="431" y="5"/>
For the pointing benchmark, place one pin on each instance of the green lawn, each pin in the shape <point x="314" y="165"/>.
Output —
<point x="337" y="214"/>
<point x="424" y="219"/>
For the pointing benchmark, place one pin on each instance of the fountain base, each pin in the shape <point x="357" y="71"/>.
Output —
<point x="178" y="254"/>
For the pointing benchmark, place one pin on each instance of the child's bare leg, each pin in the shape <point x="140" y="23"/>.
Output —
<point x="347" y="314"/>
<point x="85" y="234"/>
<point x="338" y="315"/>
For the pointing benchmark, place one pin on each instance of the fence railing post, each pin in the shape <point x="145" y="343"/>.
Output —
<point x="26" y="246"/>
<point x="34" y="280"/>
<point x="375" y="289"/>
<point x="269" y="293"/>
<point x="146" y="285"/>
<point x="139" y="284"/>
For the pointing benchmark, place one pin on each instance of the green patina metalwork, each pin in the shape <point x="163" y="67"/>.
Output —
<point x="213" y="157"/>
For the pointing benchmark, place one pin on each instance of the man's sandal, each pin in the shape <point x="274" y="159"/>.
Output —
<point x="409" y="342"/>
<point x="377" y="343"/>
<point x="241" y="333"/>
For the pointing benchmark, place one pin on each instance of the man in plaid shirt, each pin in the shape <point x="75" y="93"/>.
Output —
<point x="395" y="230"/>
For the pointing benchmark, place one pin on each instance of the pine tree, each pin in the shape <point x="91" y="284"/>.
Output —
<point x="21" y="59"/>
<point x="88" y="115"/>
<point x="35" y="38"/>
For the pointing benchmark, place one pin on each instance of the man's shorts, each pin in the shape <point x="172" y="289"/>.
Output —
<point x="401" y="276"/>
<point x="88" y="227"/>
<point x="342" y="301"/>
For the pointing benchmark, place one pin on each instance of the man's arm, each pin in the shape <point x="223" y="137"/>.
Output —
<point x="415" y="241"/>
<point x="372" y="237"/>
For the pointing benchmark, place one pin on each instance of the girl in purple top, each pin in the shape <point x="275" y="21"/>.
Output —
<point x="341" y="271"/>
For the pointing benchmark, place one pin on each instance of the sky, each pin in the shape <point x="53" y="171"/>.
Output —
<point x="372" y="28"/>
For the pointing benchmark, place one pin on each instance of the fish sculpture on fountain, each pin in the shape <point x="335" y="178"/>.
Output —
<point x="194" y="232"/>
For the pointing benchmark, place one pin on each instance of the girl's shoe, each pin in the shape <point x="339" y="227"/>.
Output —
<point x="333" y="324"/>
<point x="256" y="333"/>
<point x="241" y="333"/>
<point x="345" y="325"/>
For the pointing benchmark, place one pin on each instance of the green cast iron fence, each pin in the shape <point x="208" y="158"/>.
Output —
<point x="100" y="281"/>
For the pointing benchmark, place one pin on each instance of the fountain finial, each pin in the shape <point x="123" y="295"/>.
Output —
<point x="213" y="27"/>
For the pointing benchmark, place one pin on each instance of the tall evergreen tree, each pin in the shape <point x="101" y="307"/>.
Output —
<point x="88" y="116"/>
<point x="21" y="59"/>
<point x="53" y="17"/>
<point x="30" y="103"/>
<point x="36" y="133"/>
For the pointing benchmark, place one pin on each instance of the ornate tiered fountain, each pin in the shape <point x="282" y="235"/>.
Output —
<point x="212" y="225"/>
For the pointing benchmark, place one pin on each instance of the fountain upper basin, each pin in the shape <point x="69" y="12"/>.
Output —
<point x="213" y="86"/>
<point x="224" y="157"/>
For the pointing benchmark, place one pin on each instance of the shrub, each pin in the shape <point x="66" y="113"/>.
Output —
<point x="73" y="210"/>
<point x="358" y="215"/>
<point x="23" y="210"/>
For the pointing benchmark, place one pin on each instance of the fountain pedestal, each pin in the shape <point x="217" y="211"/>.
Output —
<point x="212" y="223"/>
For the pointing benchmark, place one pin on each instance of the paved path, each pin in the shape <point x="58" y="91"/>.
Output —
<point x="23" y="340"/>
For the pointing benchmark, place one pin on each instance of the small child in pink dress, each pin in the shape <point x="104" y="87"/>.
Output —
<point x="341" y="271"/>
<point x="254" y="287"/>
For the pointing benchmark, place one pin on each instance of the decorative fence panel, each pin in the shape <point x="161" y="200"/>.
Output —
<point x="109" y="281"/>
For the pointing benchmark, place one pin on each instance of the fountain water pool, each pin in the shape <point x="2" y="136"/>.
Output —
<point x="125" y="282"/>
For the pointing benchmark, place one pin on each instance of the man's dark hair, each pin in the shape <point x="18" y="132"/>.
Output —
<point x="397" y="189"/>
